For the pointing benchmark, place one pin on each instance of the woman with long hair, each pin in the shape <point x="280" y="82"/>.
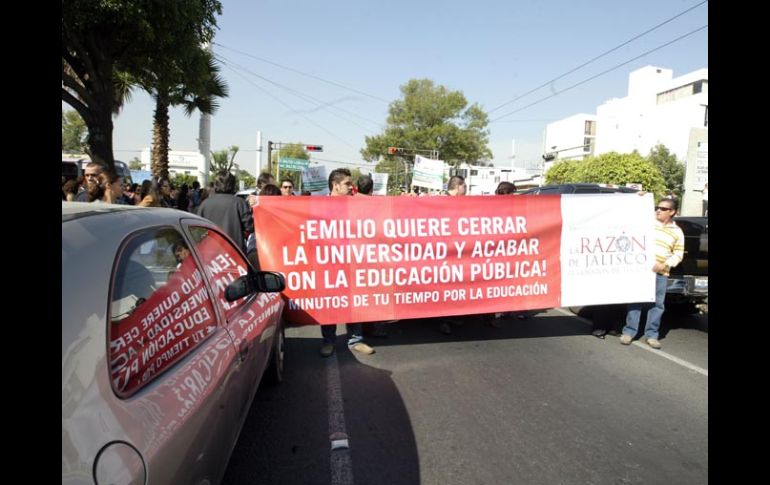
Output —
<point x="148" y="195"/>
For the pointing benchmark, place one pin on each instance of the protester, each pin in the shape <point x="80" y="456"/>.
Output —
<point x="341" y="184"/>
<point x="229" y="212"/>
<point x="287" y="186"/>
<point x="455" y="187"/>
<point x="669" y="250"/>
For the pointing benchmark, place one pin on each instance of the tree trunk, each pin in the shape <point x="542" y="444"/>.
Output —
<point x="100" y="137"/>
<point x="95" y="106"/>
<point x="160" y="136"/>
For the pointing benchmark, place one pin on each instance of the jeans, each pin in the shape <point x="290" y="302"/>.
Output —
<point x="329" y="333"/>
<point x="654" y="314"/>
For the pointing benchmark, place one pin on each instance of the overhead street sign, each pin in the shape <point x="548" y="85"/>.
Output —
<point x="299" y="164"/>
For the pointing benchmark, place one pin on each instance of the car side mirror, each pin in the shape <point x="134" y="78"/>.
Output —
<point x="262" y="281"/>
<point x="269" y="281"/>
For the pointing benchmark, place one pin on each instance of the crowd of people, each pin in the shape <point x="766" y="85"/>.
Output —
<point x="233" y="214"/>
<point x="100" y="185"/>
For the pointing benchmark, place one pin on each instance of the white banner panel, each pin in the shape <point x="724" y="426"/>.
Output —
<point x="315" y="179"/>
<point x="607" y="249"/>
<point x="380" y="183"/>
<point x="428" y="173"/>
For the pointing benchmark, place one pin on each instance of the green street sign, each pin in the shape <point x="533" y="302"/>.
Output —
<point x="293" y="163"/>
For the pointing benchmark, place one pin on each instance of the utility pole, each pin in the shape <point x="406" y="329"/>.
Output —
<point x="259" y="153"/>
<point x="277" y="146"/>
<point x="411" y="152"/>
<point x="204" y="139"/>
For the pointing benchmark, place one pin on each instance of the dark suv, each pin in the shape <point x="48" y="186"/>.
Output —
<point x="582" y="188"/>
<point x="688" y="283"/>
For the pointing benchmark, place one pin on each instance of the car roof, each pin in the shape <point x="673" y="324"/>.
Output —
<point x="70" y="210"/>
<point x="91" y="235"/>
<point x="582" y="186"/>
<point x="150" y="215"/>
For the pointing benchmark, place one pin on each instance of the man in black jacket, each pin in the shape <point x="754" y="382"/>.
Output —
<point x="229" y="212"/>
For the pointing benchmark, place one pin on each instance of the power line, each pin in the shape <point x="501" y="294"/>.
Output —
<point x="597" y="57"/>
<point x="526" y="121"/>
<point x="359" y="164"/>
<point x="305" y="97"/>
<point x="303" y="73"/>
<point x="601" y="73"/>
<point x="289" y="107"/>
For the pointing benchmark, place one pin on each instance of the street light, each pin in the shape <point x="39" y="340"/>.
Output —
<point x="554" y="154"/>
<point x="404" y="153"/>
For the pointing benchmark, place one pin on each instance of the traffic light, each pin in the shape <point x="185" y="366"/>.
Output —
<point x="314" y="148"/>
<point x="549" y="156"/>
<point x="394" y="151"/>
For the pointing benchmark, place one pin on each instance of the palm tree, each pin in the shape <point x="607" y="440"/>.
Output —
<point x="109" y="46"/>
<point x="194" y="82"/>
<point x="223" y="160"/>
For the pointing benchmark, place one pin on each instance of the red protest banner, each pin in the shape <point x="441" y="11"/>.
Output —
<point x="359" y="259"/>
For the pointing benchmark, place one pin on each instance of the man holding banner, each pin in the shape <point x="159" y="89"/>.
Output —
<point x="365" y="259"/>
<point x="341" y="183"/>
<point x="456" y="186"/>
<point x="669" y="250"/>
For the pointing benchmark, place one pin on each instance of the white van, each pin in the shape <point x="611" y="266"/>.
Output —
<point x="72" y="168"/>
<point x="244" y="194"/>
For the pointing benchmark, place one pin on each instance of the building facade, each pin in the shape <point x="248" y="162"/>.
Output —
<point x="659" y="109"/>
<point x="484" y="180"/>
<point x="179" y="162"/>
<point x="570" y="138"/>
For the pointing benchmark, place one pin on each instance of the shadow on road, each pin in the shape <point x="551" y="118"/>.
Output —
<point x="674" y="321"/>
<point x="477" y="327"/>
<point x="285" y="439"/>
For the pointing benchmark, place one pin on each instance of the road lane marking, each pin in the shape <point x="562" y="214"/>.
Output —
<point x="643" y="345"/>
<point x="673" y="358"/>
<point x="341" y="463"/>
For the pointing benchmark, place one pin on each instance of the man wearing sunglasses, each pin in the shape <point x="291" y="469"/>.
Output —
<point x="669" y="250"/>
<point x="91" y="176"/>
<point x="287" y="187"/>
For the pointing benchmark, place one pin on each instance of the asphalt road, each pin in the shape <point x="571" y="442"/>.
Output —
<point x="539" y="401"/>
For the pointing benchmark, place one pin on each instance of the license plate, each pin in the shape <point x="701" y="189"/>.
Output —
<point x="701" y="283"/>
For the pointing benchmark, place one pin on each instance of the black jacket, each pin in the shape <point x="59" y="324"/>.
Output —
<point x="230" y="213"/>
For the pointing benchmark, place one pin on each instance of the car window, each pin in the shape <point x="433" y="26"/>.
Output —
<point x="222" y="264"/>
<point x="160" y="309"/>
<point x="550" y="190"/>
<point x="589" y="190"/>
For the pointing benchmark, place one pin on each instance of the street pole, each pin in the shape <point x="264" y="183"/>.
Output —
<point x="204" y="138"/>
<point x="277" y="163"/>
<point x="406" y="186"/>
<point x="259" y="153"/>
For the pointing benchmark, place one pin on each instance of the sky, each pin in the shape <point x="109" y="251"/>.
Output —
<point x="344" y="61"/>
